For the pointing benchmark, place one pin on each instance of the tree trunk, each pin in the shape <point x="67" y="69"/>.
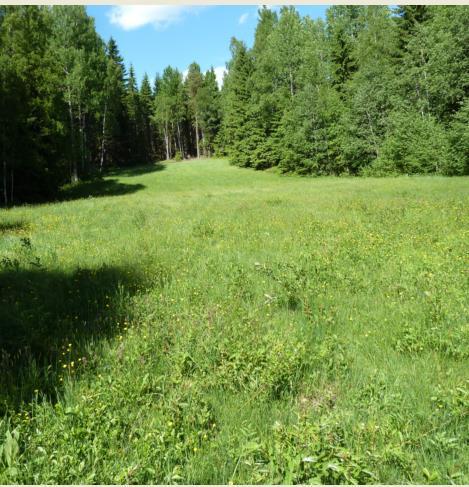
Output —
<point x="5" y="189"/>
<point x="12" y="185"/>
<point x="204" y="145"/>
<point x="197" y="136"/>
<point x="85" y="145"/>
<point x="4" y="165"/>
<point x="73" y="162"/>
<point x="181" y="148"/>
<point x="166" y="141"/>
<point x="150" y="136"/>
<point x="82" y="149"/>
<point x="103" y="142"/>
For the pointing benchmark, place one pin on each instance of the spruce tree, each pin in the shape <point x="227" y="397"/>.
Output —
<point x="236" y="125"/>
<point x="114" y="115"/>
<point x="146" y="109"/>
<point x="210" y="116"/>
<point x="194" y="83"/>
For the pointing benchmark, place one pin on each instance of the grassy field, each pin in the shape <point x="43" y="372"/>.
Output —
<point x="200" y="323"/>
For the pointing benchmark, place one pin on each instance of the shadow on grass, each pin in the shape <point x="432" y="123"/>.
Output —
<point x="97" y="188"/>
<point x="13" y="227"/>
<point x="42" y="312"/>
<point x="137" y="171"/>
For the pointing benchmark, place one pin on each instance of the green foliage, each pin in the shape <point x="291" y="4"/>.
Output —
<point x="69" y="110"/>
<point x="370" y="90"/>
<point x="276" y="330"/>
<point x="416" y="144"/>
<point x="343" y="96"/>
<point x="453" y="344"/>
<point x="459" y="141"/>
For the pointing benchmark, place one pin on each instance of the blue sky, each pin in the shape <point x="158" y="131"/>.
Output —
<point x="152" y="37"/>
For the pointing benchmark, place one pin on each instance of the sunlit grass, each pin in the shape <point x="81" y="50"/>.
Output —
<point x="201" y="323"/>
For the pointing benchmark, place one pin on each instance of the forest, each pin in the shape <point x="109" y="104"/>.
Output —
<point x="371" y="90"/>
<point x="183" y="300"/>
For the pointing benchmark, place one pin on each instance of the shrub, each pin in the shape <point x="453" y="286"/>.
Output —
<point x="415" y="144"/>
<point x="458" y="136"/>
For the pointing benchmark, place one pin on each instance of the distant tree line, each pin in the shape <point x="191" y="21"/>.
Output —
<point x="371" y="90"/>
<point x="69" y="108"/>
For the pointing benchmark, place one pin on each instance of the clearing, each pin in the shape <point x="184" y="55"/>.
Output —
<point x="200" y="323"/>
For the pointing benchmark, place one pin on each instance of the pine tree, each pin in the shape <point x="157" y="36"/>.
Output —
<point x="210" y="116"/>
<point x="31" y="135"/>
<point x="135" y="133"/>
<point x="264" y="109"/>
<point x="194" y="83"/>
<point x="344" y="23"/>
<point x="235" y="102"/>
<point x="146" y="105"/>
<point x="310" y="131"/>
<point x="114" y="116"/>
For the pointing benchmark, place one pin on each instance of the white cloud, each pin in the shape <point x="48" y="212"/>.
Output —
<point x="219" y="73"/>
<point x="130" y="17"/>
<point x="184" y="74"/>
<point x="243" y="18"/>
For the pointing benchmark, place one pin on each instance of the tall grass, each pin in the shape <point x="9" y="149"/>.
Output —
<point x="209" y="324"/>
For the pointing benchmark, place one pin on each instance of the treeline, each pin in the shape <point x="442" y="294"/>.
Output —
<point x="369" y="90"/>
<point x="69" y="108"/>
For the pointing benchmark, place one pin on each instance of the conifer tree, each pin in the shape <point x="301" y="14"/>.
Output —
<point x="236" y="125"/>
<point x="194" y="83"/>
<point x="146" y="107"/>
<point x="114" y="117"/>
<point x="209" y="102"/>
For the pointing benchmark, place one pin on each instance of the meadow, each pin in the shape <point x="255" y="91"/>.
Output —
<point x="195" y="322"/>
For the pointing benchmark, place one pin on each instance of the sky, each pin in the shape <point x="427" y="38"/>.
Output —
<point x="152" y="37"/>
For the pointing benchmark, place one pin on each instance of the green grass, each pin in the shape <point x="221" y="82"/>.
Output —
<point x="201" y="323"/>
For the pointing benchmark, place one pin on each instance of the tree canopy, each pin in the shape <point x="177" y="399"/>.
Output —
<point x="369" y="90"/>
